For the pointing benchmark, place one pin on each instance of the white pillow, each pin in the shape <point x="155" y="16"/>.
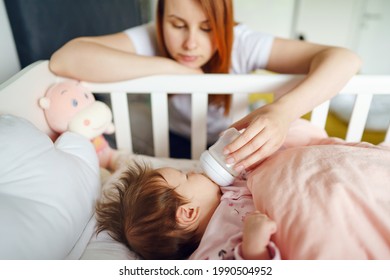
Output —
<point x="47" y="191"/>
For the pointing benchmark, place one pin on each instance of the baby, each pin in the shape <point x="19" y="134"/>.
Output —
<point x="164" y="213"/>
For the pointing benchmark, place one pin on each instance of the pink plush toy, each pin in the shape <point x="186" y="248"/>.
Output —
<point x="69" y="106"/>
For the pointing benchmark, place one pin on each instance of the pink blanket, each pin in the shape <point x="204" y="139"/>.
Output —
<point x="330" y="200"/>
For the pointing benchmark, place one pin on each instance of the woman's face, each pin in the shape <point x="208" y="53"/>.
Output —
<point x="187" y="33"/>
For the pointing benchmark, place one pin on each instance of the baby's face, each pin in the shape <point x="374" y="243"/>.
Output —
<point x="195" y="187"/>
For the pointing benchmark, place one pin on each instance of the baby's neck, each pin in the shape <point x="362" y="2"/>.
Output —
<point x="204" y="219"/>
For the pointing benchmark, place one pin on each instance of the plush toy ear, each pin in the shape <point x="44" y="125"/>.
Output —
<point x="110" y="129"/>
<point x="44" y="102"/>
<point x="187" y="215"/>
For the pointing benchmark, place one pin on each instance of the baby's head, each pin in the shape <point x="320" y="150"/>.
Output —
<point x="160" y="214"/>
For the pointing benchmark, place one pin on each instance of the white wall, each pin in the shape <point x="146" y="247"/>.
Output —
<point x="332" y="22"/>
<point x="275" y="17"/>
<point x="373" y="40"/>
<point x="9" y="62"/>
<point x="360" y="25"/>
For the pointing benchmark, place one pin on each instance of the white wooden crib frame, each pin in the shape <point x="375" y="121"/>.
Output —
<point x="36" y="78"/>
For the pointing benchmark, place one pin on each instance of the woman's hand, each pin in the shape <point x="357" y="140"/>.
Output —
<point x="266" y="130"/>
<point x="258" y="229"/>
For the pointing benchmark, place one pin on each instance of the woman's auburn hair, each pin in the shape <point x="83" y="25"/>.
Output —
<point x="140" y="212"/>
<point x="220" y="15"/>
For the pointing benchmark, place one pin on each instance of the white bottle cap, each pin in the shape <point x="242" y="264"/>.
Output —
<point x="214" y="170"/>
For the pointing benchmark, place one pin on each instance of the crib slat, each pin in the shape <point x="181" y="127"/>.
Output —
<point x="122" y="120"/>
<point x="319" y="114"/>
<point x="240" y="106"/>
<point x="199" y="104"/>
<point x="358" y="117"/>
<point x="159" y="102"/>
<point x="387" y="138"/>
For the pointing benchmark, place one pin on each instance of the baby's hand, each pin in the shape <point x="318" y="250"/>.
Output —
<point x="258" y="229"/>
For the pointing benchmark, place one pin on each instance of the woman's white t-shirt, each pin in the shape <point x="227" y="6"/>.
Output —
<point x="251" y="51"/>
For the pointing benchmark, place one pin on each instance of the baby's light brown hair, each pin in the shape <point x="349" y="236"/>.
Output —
<point x="141" y="213"/>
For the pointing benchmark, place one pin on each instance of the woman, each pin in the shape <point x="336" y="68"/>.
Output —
<point x="200" y="36"/>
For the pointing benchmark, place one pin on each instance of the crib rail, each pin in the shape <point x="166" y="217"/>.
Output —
<point x="364" y="87"/>
<point x="19" y="93"/>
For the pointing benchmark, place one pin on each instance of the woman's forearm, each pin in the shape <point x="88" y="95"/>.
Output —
<point x="329" y="71"/>
<point x="90" y="61"/>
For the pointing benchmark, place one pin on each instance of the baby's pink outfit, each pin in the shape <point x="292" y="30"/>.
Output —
<point x="223" y="236"/>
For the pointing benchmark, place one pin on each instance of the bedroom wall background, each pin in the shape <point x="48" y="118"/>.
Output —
<point x="356" y="24"/>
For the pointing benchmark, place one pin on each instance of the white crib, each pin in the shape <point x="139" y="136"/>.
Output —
<point x="364" y="87"/>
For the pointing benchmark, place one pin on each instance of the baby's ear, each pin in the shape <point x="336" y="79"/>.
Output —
<point x="187" y="215"/>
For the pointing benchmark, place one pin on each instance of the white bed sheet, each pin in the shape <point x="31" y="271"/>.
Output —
<point x="83" y="241"/>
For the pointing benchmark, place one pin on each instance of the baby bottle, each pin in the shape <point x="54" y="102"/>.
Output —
<point x="213" y="160"/>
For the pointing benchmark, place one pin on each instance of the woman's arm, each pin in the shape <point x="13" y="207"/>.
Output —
<point x="328" y="69"/>
<point x="109" y="58"/>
